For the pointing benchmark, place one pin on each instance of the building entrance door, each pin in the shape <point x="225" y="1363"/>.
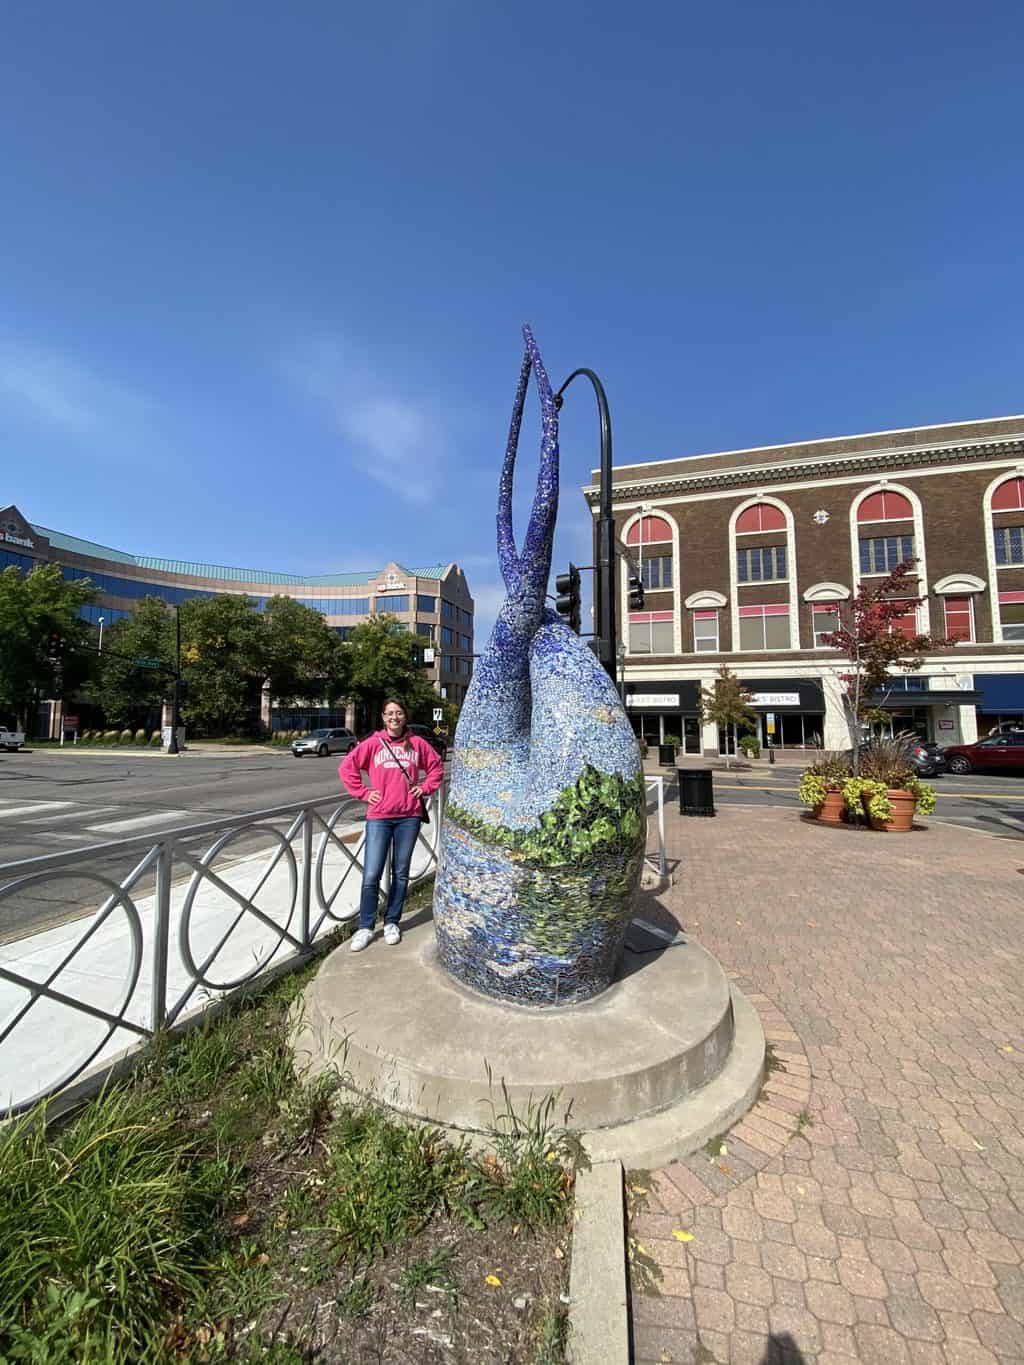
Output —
<point x="691" y="735"/>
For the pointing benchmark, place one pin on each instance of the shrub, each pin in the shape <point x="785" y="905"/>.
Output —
<point x="140" y="737"/>
<point x="750" y="746"/>
<point x="156" y="739"/>
<point x="674" y="740"/>
<point x="830" y="773"/>
<point x="109" y="736"/>
<point x="125" y="737"/>
<point x="888" y="761"/>
<point x="85" y="737"/>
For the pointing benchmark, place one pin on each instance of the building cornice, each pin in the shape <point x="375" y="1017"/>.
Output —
<point x="758" y="476"/>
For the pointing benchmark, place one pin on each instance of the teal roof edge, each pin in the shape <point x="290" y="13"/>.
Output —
<point x="92" y="550"/>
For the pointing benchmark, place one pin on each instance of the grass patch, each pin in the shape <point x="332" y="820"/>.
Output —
<point x="215" y="1207"/>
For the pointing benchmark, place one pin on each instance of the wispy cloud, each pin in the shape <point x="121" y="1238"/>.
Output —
<point x="386" y="432"/>
<point x="488" y="599"/>
<point x="55" y="388"/>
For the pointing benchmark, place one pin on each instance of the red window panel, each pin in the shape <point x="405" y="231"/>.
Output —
<point x="704" y="615"/>
<point x="776" y="609"/>
<point x="825" y="607"/>
<point x="1007" y="597"/>
<point x="885" y="506"/>
<point x="763" y="517"/>
<point x="905" y="624"/>
<point x="959" y="618"/>
<point x="649" y="531"/>
<point x="1009" y="496"/>
<point x="642" y="616"/>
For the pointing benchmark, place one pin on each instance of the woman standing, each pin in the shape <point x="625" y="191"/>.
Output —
<point x="402" y="769"/>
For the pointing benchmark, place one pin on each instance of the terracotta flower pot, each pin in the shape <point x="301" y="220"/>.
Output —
<point x="901" y="821"/>
<point x="832" y="810"/>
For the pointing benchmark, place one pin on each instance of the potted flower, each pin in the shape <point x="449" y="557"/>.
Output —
<point x="887" y="789"/>
<point x="750" y="746"/>
<point x="822" y="788"/>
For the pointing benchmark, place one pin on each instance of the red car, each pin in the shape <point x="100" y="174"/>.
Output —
<point x="1005" y="752"/>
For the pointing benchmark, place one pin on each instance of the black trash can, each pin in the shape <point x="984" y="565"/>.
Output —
<point x="696" y="793"/>
<point x="666" y="755"/>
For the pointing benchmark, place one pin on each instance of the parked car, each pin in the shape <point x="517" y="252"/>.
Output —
<point x="1002" y="752"/>
<point x="1008" y="727"/>
<point x="324" y="742"/>
<point x="436" y="742"/>
<point x="11" y="740"/>
<point x="928" y="758"/>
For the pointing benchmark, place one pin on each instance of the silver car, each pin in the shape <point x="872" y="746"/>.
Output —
<point x="324" y="742"/>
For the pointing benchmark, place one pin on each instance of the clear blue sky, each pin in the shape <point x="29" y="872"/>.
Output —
<point x="263" y="266"/>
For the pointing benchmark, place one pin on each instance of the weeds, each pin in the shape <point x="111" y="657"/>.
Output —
<point x="357" y="1298"/>
<point x="104" y="1226"/>
<point x="554" y="1332"/>
<point x="804" y="1121"/>
<point x="434" y="1273"/>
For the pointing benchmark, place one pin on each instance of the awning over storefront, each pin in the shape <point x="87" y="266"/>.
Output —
<point x="785" y="694"/>
<point x="999" y="692"/>
<point x="906" y="700"/>
<point x="663" y="696"/>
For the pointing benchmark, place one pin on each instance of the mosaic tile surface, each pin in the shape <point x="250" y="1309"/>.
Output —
<point x="544" y="833"/>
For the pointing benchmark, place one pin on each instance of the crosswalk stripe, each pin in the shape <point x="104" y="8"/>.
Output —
<point x="82" y="813"/>
<point x="36" y="808"/>
<point x="159" y="817"/>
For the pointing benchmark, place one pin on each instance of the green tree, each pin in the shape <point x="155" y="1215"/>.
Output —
<point x="127" y="693"/>
<point x="34" y="607"/>
<point x="383" y="659"/>
<point x="727" y="705"/>
<point x="223" y="663"/>
<point x="303" y="658"/>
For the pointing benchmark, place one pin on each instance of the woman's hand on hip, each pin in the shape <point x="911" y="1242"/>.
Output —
<point x="373" y="798"/>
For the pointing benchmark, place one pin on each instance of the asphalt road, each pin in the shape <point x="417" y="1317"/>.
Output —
<point x="56" y="802"/>
<point x="988" y="803"/>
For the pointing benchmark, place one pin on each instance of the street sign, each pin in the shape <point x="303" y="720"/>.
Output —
<point x="770" y="718"/>
<point x="147" y="663"/>
<point x="437" y="729"/>
<point x="71" y="722"/>
<point x="438" y="713"/>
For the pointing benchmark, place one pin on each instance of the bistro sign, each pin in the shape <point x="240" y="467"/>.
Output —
<point x="775" y="698"/>
<point x="668" y="701"/>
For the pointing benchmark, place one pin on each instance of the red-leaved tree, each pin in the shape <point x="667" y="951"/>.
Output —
<point x="872" y="640"/>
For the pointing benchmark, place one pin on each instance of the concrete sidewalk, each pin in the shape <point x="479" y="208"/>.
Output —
<point x="53" y="1036"/>
<point x="871" y="1207"/>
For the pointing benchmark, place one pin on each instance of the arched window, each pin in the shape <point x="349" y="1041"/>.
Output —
<point x="649" y="531"/>
<point x="763" y="517"/>
<point x="885" y="506"/>
<point x="1009" y="496"/>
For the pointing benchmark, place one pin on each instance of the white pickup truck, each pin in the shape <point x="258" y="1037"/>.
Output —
<point x="11" y="740"/>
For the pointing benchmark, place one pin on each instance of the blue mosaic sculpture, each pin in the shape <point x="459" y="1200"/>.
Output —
<point x="545" y="827"/>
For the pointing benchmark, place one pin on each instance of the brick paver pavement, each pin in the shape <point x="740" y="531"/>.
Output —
<point x="871" y="1206"/>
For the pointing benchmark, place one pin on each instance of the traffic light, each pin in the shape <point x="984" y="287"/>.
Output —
<point x="567" y="601"/>
<point x="55" y="645"/>
<point x="636" y="590"/>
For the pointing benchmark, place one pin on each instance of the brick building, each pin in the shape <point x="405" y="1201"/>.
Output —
<point x="433" y="602"/>
<point x="746" y="554"/>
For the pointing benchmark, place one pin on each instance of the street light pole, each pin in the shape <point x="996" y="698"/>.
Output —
<point x="99" y="649"/>
<point x="604" y="585"/>
<point x="172" y="748"/>
<point x="622" y="672"/>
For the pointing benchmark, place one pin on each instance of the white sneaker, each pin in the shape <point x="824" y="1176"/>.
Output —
<point x="392" y="934"/>
<point x="362" y="938"/>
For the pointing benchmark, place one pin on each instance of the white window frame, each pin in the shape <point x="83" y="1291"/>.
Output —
<point x="973" y="638"/>
<point x="703" y="616"/>
<point x="748" y="550"/>
<point x="819" y="608"/>
<point x="748" y="615"/>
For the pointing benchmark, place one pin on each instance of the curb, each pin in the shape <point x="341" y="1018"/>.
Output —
<point x="658" y="1139"/>
<point x="598" y="1305"/>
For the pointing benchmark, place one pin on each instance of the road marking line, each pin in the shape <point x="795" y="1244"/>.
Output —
<point x="82" y="813"/>
<point x="35" y="809"/>
<point x="138" y="821"/>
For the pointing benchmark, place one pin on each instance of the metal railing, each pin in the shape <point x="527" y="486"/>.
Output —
<point x="181" y="930"/>
<point x="192" y="922"/>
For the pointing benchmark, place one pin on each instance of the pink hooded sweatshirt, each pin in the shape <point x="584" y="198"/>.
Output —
<point x="413" y="754"/>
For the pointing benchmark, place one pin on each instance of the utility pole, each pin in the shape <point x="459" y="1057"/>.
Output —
<point x="172" y="748"/>
<point x="605" y="614"/>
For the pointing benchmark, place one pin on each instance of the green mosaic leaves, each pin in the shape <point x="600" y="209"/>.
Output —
<point x="600" y="814"/>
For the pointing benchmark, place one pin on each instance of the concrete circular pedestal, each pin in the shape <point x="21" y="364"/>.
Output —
<point x="666" y="1057"/>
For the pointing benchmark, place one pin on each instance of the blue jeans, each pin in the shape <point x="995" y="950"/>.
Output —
<point x="402" y="831"/>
